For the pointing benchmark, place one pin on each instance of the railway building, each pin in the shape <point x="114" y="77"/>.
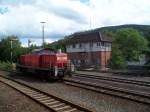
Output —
<point x="89" y="49"/>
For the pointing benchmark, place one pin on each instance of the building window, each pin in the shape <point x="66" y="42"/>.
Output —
<point x="75" y="61"/>
<point x="97" y="61"/>
<point x="98" y="44"/>
<point x="91" y="44"/>
<point x="80" y="45"/>
<point x="68" y="46"/>
<point x="79" y="61"/>
<point x="107" y="44"/>
<point x="103" y="43"/>
<point x="74" y="46"/>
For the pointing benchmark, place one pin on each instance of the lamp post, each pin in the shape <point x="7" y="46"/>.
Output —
<point x="11" y="46"/>
<point x="43" y="32"/>
<point x="29" y="41"/>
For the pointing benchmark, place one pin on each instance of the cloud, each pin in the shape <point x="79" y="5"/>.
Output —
<point x="63" y="9"/>
<point x="16" y="2"/>
<point x="3" y="10"/>
<point x="35" y="41"/>
<point x="120" y="12"/>
<point x="72" y="15"/>
<point x="63" y="17"/>
<point x="25" y="18"/>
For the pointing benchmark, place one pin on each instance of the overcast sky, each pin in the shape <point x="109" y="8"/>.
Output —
<point x="63" y="17"/>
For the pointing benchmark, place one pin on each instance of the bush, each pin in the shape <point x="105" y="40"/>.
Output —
<point x="6" y="66"/>
<point x="117" y="60"/>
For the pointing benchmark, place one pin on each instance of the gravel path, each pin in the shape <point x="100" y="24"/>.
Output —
<point x="13" y="101"/>
<point x="95" y="101"/>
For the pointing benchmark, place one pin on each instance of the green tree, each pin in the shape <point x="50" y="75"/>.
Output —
<point x="5" y="49"/>
<point x="128" y="45"/>
<point x="32" y="47"/>
<point x="60" y="44"/>
<point x="117" y="58"/>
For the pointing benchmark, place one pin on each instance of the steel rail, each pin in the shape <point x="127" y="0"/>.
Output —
<point x="49" y="101"/>
<point x="121" y="80"/>
<point x="132" y="95"/>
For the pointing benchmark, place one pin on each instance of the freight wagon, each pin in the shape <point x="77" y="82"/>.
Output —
<point x="46" y="62"/>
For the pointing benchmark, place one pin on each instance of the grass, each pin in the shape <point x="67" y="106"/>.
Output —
<point x="6" y="65"/>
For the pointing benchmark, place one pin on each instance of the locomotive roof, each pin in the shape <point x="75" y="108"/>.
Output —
<point x="47" y="51"/>
<point x="43" y="51"/>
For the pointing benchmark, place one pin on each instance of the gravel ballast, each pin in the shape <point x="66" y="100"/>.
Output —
<point x="95" y="101"/>
<point x="13" y="101"/>
<point x="137" y="77"/>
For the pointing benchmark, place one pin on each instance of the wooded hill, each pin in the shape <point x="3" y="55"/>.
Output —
<point x="143" y="29"/>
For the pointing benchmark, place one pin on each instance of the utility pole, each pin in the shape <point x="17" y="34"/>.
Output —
<point x="29" y="41"/>
<point x="11" y="51"/>
<point x="43" y="33"/>
<point x="11" y="46"/>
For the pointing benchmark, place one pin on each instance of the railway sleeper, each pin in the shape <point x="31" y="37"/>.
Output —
<point x="42" y="98"/>
<point x="27" y="91"/>
<point x="71" y="110"/>
<point x="36" y="94"/>
<point x="57" y="105"/>
<point x="47" y="100"/>
<point x="62" y="108"/>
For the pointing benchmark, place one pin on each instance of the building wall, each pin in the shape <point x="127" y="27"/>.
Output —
<point x="105" y="58"/>
<point x="99" y="58"/>
<point x="85" y="58"/>
<point x="90" y="54"/>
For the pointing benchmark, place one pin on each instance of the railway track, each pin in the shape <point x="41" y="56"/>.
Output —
<point x="136" y="96"/>
<point x="121" y="80"/>
<point x="51" y="102"/>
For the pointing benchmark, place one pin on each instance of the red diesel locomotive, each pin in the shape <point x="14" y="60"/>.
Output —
<point x="45" y="61"/>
